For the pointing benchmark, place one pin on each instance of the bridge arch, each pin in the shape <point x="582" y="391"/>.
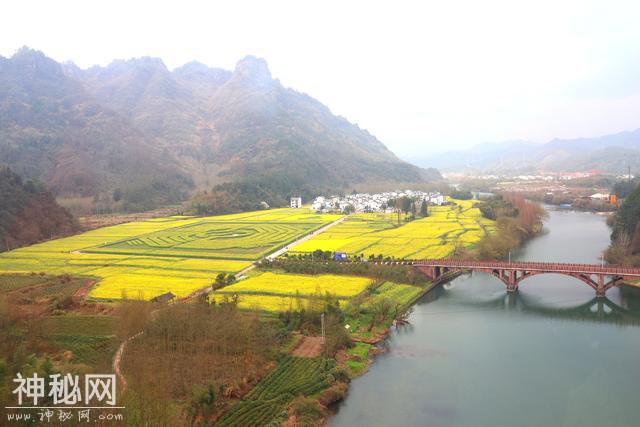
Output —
<point x="599" y="278"/>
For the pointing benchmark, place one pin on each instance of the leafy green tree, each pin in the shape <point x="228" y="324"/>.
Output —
<point x="627" y="219"/>
<point x="462" y="195"/>
<point x="623" y="189"/>
<point x="220" y="280"/>
<point x="406" y="204"/>
<point x="424" y="209"/>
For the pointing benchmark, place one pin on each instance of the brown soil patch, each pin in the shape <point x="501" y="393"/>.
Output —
<point x="342" y="357"/>
<point x="83" y="291"/>
<point x="308" y="347"/>
<point x="91" y="222"/>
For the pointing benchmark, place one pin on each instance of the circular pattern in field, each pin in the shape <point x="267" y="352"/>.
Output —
<point x="212" y="239"/>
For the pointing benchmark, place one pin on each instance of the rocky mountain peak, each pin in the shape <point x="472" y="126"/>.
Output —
<point x="35" y="63"/>
<point x="199" y="72"/>
<point x="253" y="70"/>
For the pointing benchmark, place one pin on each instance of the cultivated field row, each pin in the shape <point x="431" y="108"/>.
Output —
<point x="183" y="254"/>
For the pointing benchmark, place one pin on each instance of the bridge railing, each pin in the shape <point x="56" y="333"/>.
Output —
<point x="531" y="265"/>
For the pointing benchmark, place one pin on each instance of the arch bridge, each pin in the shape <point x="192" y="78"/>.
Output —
<point x="600" y="278"/>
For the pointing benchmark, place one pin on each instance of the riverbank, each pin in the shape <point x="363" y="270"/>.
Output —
<point x="449" y="366"/>
<point x="632" y="284"/>
<point x="517" y="221"/>
<point x="358" y="358"/>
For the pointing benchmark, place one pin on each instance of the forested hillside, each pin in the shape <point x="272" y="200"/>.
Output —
<point x="134" y="135"/>
<point x="625" y="239"/>
<point x="29" y="213"/>
<point x="53" y="130"/>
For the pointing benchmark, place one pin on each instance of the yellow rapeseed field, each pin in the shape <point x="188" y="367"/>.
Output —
<point x="177" y="254"/>
<point x="435" y="236"/>
<point x="271" y="292"/>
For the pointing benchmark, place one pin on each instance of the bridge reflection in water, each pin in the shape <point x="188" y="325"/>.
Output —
<point x="597" y="309"/>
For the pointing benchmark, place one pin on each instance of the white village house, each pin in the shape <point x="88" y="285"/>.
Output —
<point x="296" y="202"/>
<point x="365" y="202"/>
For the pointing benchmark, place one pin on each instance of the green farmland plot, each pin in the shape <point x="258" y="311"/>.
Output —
<point x="265" y="403"/>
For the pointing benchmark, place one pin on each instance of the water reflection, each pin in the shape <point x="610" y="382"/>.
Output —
<point x="626" y="312"/>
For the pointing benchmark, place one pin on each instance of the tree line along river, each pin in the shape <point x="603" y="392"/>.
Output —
<point x="549" y="355"/>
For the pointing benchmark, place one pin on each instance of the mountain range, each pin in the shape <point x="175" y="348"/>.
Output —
<point x="610" y="153"/>
<point x="135" y="134"/>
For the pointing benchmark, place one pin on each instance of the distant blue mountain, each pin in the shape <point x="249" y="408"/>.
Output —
<point x="609" y="153"/>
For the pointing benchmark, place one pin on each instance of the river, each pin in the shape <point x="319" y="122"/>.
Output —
<point x="549" y="355"/>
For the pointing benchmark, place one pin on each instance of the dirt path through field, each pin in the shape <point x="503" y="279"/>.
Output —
<point x="308" y="347"/>
<point x="83" y="291"/>
<point x="118" y="358"/>
<point x="303" y="239"/>
<point x="272" y="255"/>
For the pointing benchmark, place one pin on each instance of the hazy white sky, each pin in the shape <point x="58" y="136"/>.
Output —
<point x="421" y="76"/>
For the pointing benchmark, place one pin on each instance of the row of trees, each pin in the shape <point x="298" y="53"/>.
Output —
<point x="462" y="194"/>
<point x="517" y="219"/>
<point x="320" y="255"/>
<point x="411" y="207"/>
<point x="223" y="279"/>
<point x="258" y="192"/>
<point x="201" y="354"/>
<point x="625" y="238"/>
<point x="393" y="273"/>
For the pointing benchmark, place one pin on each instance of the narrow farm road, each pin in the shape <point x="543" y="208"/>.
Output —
<point x="271" y="256"/>
<point x="117" y="358"/>
<point x="308" y="347"/>
<point x="304" y="238"/>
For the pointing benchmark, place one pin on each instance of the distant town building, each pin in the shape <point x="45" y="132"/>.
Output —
<point x="296" y="202"/>
<point x="365" y="202"/>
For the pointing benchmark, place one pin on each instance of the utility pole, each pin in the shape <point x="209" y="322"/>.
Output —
<point x="509" y="257"/>
<point x="322" y="326"/>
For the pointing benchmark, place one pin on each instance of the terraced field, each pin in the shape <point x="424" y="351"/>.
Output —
<point x="270" y="292"/>
<point x="175" y="254"/>
<point x="266" y="402"/>
<point x="378" y="234"/>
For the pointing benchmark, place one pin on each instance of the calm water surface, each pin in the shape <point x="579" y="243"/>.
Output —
<point x="550" y="355"/>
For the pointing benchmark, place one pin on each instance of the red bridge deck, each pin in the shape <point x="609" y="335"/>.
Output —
<point x="512" y="273"/>
<point x="546" y="267"/>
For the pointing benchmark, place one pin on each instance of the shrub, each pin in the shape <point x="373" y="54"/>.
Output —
<point x="340" y="374"/>
<point x="333" y="394"/>
<point x="307" y="411"/>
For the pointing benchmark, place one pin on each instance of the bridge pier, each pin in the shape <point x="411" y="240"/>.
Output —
<point x="512" y="280"/>
<point x="601" y="289"/>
